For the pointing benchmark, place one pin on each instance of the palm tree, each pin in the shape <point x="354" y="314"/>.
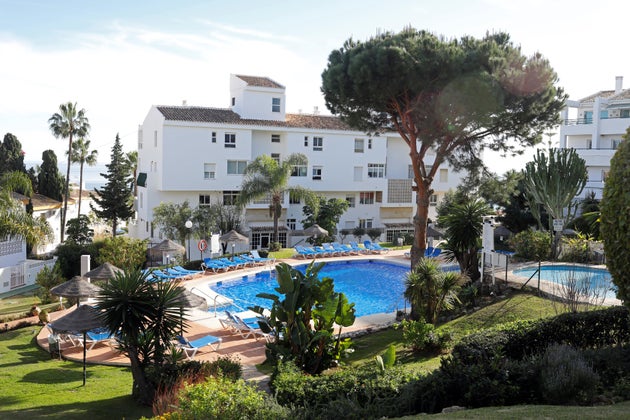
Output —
<point x="266" y="177"/>
<point x="131" y="163"/>
<point x="68" y="123"/>
<point x="146" y="317"/>
<point x="82" y="155"/>
<point x="464" y="226"/>
<point x="430" y="290"/>
<point x="14" y="220"/>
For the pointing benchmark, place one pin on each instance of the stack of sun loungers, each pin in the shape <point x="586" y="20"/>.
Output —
<point x="219" y="265"/>
<point x="245" y="327"/>
<point x="335" y="249"/>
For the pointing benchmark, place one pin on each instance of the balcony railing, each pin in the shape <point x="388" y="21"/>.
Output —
<point x="580" y="121"/>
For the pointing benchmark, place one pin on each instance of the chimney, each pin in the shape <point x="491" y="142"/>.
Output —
<point x="315" y="110"/>
<point x="184" y="103"/>
<point x="618" y="84"/>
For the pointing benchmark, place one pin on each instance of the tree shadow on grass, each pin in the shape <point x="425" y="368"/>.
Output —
<point x="54" y="376"/>
<point x="113" y="408"/>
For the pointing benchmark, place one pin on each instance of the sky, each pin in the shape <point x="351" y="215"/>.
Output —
<point x="116" y="59"/>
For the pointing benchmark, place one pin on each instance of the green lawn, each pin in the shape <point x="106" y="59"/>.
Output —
<point x="35" y="386"/>
<point x="518" y="306"/>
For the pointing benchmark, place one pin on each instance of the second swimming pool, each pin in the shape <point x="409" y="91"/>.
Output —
<point x="374" y="286"/>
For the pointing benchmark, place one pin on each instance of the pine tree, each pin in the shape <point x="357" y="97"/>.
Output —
<point x="11" y="155"/>
<point x="114" y="200"/>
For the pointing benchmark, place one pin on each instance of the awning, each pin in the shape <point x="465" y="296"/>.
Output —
<point x="142" y="179"/>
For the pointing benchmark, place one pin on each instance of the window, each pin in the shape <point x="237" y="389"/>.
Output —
<point x="603" y="114"/>
<point x="443" y="175"/>
<point x="349" y="224"/>
<point x="376" y="170"/>
<point x="305" y="141"/>
<point x="204" y="200"/>
<point x="230" y="198"/>
<point x="589" y="144"/>
<point x="615" y="143"/>
<point x="276" y="157"/>
<point x="318" y="144"/>
<point x="291" y="224"/>
<point x="155" y="138"/>
<point x="230" y="140"/>
<point x="275" y="104"/>
<point x="358" y="173"/>
<point x="369" y="143"/>
<point x="294" y="198"/>
<point x="317" y="173"/>
<point x="366" y="198"/>
<point x="236" y="167"/>
<point x="299" y="170"/>
<point x="209" y="170"/>
<point x="214" y="137"/>
<point x="352" y="201"/>
<point x="366" y="223"/>
<point x="233" y="101"/>
<point x="433" y="200"/>
<point x="275" y="138"/>
<point x="140" y="140"/>
<point x="625" y="113"/>
<point x="409" y="172"/>
<point x="358" y="145"/>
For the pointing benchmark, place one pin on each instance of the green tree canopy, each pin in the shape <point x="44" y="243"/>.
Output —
<point x="49" y="180"/>
<point x="615" y="219"/>
<point x="68" y="123"/>
<point x="328" y="215"/>
<point x="114" y="200"/>
<point x="448" y="99"/>
<point x="554" y="181"/>
<point x="171" y="219"/>
<point x="14" y="220"/>
<point x="266" y="177"/>
<point x="11" y="155"/>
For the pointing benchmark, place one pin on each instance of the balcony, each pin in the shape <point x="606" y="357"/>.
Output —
<point x="580" y="121"/>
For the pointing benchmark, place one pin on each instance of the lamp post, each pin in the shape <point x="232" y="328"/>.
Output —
<point x="188" y="225"/>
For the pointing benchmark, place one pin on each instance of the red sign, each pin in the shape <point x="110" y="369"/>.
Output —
<point x="202" y="245"/>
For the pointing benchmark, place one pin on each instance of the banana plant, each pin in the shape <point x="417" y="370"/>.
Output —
<point x="303" y="317"/>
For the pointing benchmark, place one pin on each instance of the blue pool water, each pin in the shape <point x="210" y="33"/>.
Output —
<point x="374" y="286"/>
<point x="599" y="279"/>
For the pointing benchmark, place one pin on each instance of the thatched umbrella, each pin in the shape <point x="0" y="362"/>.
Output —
<point x="169" y="246"/>
<point x="104" y="271"/>
<point x="315" y="230"/>
<point x="81" y="320"/>
<point x="189" y="300"/>
<point x="233" y="236"/>
<point x="76" y="287"/>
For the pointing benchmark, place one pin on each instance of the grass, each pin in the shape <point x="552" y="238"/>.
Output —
<point x="617" y="411"/>
<point x="518" y="306"/>
<point x="35" y="386"/>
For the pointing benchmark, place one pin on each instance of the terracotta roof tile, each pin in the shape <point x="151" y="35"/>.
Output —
<point x="600" y="94"/>
<point x="227" y="116"/>
<point x="260" y="81"/>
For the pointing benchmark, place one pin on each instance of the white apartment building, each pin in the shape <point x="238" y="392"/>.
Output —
<point x="199" y="154"/>
<point x="593" y="126"/>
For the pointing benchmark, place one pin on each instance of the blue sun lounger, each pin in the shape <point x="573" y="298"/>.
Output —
<point x="191" y="348"/>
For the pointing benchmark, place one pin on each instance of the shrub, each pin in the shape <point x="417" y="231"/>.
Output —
<point x="47" y="278"/>
<point x="362" y="392"/>
<point x="222" y="398"/>
<point x="419" y="336"/>
<point x="532" y="245"/>
<point x="565" y="376"/>
<point x="575" y="249"/>
<point x="275" y="246"/>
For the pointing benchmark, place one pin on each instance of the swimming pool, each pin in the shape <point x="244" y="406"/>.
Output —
<point x="598" y="278"/>
<point x="374" y="286"/>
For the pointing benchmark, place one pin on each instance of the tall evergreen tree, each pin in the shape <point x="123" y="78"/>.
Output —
<point x="11" y="155"/>
<point x="49" y="180"/>
<point x="114" y="200"/>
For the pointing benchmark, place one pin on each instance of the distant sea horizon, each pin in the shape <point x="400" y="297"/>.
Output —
<point x="91" y="174"/>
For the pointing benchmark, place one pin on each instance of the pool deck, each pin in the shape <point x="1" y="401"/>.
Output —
<point x="249" y="352"/>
